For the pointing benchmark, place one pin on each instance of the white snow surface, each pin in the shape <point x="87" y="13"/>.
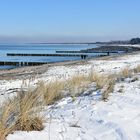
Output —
<point x="88" y="117"/>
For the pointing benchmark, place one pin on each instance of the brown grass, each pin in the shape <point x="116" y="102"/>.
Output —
<point x="137" y="69"/>
<point x="126" y="73"/>
<point x="56" y="90"/>
<point x="99" y="79"/>
<point x="108" y="87"/>
<point x="6" y="116"/>
<point x="29" y="106"/>
<point x="77" y="84"/>
<point x="29" y="124"/>
<point x="52" y="91"/>
<point x="22" y="112"/>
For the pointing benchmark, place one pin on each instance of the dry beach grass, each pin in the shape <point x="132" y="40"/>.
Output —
<point x="21" y="113"/>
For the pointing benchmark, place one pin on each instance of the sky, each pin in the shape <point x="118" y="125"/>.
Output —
<point x="68" y="20"/>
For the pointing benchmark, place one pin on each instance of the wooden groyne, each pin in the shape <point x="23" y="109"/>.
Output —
<point x="10" y="63"/>
<point x="87" y="51"/>
<point x="68" y="52"/>
<point x="63" y="55"/>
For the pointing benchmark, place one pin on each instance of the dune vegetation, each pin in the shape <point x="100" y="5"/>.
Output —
<point x="23" y="111"/>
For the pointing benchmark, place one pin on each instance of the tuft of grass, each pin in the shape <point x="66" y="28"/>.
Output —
<point x="56" y="90"/>
<point x="28" y="109"/>
<point x="108" y="87"/>
<point x="77" y="84"/>
<point x="137" y="69"/>
<point x="103" y="82"/>
<point x="21" y="112"/>
<point x="51" y="92"/>
<point x="99" y="79"/>
<point x="29" y="124"/>
<point x="6" y="116"/>
<point x="125" y="73"/>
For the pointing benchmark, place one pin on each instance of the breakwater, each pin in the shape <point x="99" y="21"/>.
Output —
<point x="63" y="55"/>
<point x="12" y="63"/>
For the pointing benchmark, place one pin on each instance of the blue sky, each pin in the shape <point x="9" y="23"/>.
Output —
<point x="68" y="20"/>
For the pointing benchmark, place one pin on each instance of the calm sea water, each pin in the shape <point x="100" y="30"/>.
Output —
<point x="38" y="49"/>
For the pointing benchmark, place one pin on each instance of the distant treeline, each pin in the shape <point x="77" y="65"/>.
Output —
<point x="131" y="41"/>
<point x="135" y="41"/>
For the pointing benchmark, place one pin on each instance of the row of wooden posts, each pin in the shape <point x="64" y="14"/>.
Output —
<point x="83" y="56"/>
<point x="4" y="63"/>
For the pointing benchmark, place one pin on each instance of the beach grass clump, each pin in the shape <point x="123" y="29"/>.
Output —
<point x="6" y="119"/>
<point x="108" y="87"/>
<point x="56" y="90"/>
<point x="52" y="91"/>
<point x="99" y="79"/>
<point x="21" y="112"/>
<point x="137" y="69"/>
<point x="28" y="109"/>
<point x="125" y="73"/>
<point x="74" y="86"/>
<point x="105" y="83"/>
<point x="128" y="73"/>
<point x="77" y="84"/>
<point x="27" y="123"/>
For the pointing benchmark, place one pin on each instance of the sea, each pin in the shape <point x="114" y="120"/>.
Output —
<point x="40" y="49"/>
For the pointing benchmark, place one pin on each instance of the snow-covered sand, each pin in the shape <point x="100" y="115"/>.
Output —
<point x="88" y="117"/>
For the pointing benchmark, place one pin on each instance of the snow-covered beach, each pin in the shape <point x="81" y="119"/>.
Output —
<point x="86" y="117"/>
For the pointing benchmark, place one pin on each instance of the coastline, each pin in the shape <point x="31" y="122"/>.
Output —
<point x="88" y="103"/>
<point x="31" y="71"/>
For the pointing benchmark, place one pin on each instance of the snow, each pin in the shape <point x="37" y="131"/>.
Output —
<point x="127" y="45"/>
<point x="87" y="117"/>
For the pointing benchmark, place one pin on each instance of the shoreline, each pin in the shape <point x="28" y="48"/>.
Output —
<point x="123" y="99"/>
<point x="31" y="71"/>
